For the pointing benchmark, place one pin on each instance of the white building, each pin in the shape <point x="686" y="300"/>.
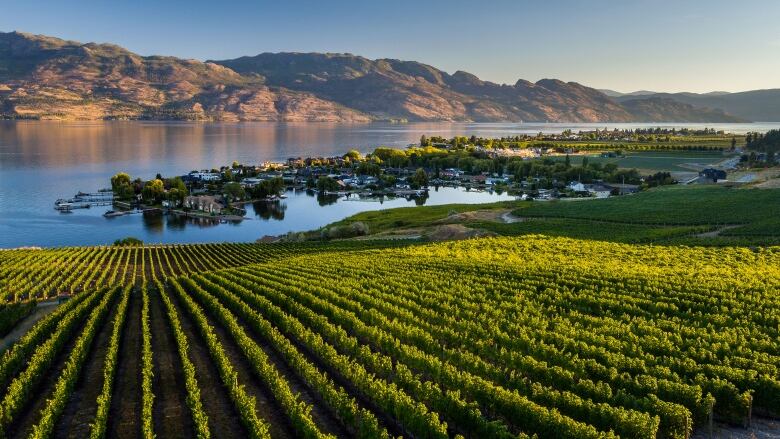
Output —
<point x="205" y="175"/>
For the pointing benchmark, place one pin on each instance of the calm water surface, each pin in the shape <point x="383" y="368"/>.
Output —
<point x="43" y="161"/>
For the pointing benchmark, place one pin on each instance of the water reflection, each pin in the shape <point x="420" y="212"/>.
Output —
<point x="43" y="161"/>
<point x="153" y="222"/>
<point x="269" y="209"/>
<point x="327" y="199"/>
<point x="419" y="200"/>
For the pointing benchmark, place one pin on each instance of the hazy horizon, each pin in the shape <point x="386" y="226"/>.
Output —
<point x="660" y="46"/>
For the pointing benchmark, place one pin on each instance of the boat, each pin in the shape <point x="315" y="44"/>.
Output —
<point x="113" y="213"/>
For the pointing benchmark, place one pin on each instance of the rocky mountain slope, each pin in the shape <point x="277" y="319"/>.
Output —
<point x="391" y="88"/>
<point x="48" y="78"/>
<point x="755" y="105"/>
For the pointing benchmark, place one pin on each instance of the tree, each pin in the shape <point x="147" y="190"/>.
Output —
<point x="419" y="179"/>
<point x="353" y="155"/>
<point x="234" y="191"/>
<point x="568" y="161"/>
<point x="153" y="191"/>
<point x="176" y="183"/>
<point x="267" y="188"/>
<point x="585" y="161"/>
<point x="424" y="141"/>
<point x="122" y="187"/>
<point x="119" y="180"/>
<point x="128" y="242"/>
<point x="327" y="184"/>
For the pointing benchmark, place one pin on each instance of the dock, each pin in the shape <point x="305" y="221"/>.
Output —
<point x="84" y="200"/>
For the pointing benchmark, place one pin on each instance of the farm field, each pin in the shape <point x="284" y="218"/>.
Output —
<point x="655" y="161"/>
<point x="672" y="205"/>
<point x="693" y="215"/>
<point x="493" y="337"/>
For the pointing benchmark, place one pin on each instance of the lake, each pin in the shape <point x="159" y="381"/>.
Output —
<point x="43" y="161"/>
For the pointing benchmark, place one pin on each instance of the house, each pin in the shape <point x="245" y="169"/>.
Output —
<point x="623" y="189"/>
<point x="451" y="173"/>
<point x="599" y="190"/>
<point x="205" y="175"/>
<point x="713" y="174"/>
<point x="252" y="181"/>
<point x="546" y="194"/>
<point x="204" y="203"/>
<point x="478" y="179"/>
<point x="576" y="186"/>
<point x="497" y="180"/>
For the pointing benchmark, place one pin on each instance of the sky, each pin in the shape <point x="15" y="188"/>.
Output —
<point x="661" y="45"/>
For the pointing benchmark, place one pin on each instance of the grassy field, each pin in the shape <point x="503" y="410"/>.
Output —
<point x="495" y="337"/>
<point x="678" y="205"/>
<point x="655" y="161"/>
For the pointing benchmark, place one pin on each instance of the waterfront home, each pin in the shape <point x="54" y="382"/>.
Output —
<point x="451" y="173"/>
<point x="205" y="175"/>
<point x="497" y="180"/>
<point x="204" y="203"/>
<point x="477" y="179"/>
<point x="251" y="181"/>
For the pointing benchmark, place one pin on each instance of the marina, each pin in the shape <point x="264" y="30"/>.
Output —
<point x="85" y="200"/>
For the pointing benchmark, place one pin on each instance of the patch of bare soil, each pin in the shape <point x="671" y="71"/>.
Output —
<point x="450" y="232"/>
<point x="224" y="420"/>
<point x="23" y="326"/>
<point x="760" y="429"/>
<point x="385" y="419"/>
<point x="772" y="182"/>
<point x="324" y="418"/>
<point x="81" y="408"/>
<point x="474" y="215"/>
<point x="124" y="419"/>
<point x="171" y="414"/>
<point x="267" y="407"/>
<point x="715" y="233"/>
<point x="23" y="424"/>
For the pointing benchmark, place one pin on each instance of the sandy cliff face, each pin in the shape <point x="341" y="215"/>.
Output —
<point x="48" y="78"/>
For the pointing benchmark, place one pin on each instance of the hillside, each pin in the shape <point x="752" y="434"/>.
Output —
<point x="755" y="105"/>
<point x="392" y="88"/>
<point x="48" y="78"/>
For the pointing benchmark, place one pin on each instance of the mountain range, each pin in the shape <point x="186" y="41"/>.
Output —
<point x="754" y="105"/>
<point x="44" y="77"/>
